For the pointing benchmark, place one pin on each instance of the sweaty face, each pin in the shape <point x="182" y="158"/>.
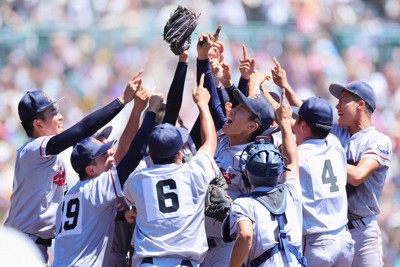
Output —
<point x="52" y="121"/>
<point x="238" y="121"/>
<point x="346" y="109"/>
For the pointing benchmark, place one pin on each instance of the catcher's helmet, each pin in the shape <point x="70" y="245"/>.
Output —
<point x="264" y="163"/>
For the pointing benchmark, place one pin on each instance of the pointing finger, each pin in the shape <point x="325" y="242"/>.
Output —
<point x="201" y="83"/>
<point x="277" y="65"/>
<point x="244" y="52"/>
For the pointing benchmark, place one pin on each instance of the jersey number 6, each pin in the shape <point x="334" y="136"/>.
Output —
<point x="167" y="202"/>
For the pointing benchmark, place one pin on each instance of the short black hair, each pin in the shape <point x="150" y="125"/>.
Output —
<point x="318" y="131"/>
<point x="168" y="160"/>
<point x="357" y="98"/>
<point x="27" y="124"/>
<point x="259" y="131"/>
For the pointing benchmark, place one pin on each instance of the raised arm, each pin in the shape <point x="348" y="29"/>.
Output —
<point x="138" y="146"/>
<point x="132" y="126"/>
<point x="175" y="93"/>
<point x="209" y="136"/>
<point x="203" y="66"/>
<point x="289" y="147"/>
<point x="89" y="124"/>
<point x="280" y="79"/>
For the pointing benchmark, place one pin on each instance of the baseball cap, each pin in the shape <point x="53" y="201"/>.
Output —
<point x="315" y="110"/>
<point x="259" y="106"/>
<point x="103" y="134"/>
<point x="87" y="150"/>
<point x="165" y="140"/>
<point x="359" y="88"/>
<point x="34" y="102"/>
<point x="264" y="163"/>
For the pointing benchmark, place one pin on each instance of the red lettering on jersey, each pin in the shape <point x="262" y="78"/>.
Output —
<point x="228" y="176"/>
<point x="59" y="178"/>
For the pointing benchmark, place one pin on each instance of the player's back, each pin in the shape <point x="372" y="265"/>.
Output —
<point x="323" y="175"/>
<point x="169" y="200"/>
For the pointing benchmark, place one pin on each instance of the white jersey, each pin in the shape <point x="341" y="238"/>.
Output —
<point x="264" y="228"/>
<point x="363" y="200"/>
<point x="323" y="178"/>
<point x="227" y="159"/>
<point x="39" y="186"/>
<point x="169" y="200"/>
<point x="85" y="221"/>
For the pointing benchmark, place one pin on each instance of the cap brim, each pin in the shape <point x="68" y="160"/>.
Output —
<point x="105" y="133"/>
<point x="50" y="104"/>
<point x="336" y="89"/>
<point x="184" y="134"/>
<point x="242" y="98"/>
<point x="104" y="148"/>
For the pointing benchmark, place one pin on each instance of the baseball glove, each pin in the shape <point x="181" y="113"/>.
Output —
<point x="179" y="28"/>
<point x="217" y="201"/>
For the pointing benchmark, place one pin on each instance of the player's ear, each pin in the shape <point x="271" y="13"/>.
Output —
<point x="179" y="157"/>
<point x="37" y="124"/>
<point x="253" y="126"/>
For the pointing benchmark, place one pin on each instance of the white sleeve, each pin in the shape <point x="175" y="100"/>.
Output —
<point x="378" y="147"/>
<point x="204" y="163"/>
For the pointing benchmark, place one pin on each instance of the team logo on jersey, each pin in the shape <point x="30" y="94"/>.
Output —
<point x="228" y="176"/>
<point x="383" y="151"/>
<point x="59" y="178"/>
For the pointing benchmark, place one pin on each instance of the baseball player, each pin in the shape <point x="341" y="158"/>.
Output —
<point x="248" y="119"/>
<point x="368" y="156"/>
<point x="267" y="222"/>
<point x="169" y="197"/>
<point x="322" y="162"/>
<point x="39" y="179"/>
<point x="85" y="219"/>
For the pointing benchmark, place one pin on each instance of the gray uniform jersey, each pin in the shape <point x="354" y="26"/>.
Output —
<point x="85" y="221"/>
<point x="169" y="200"/>
<point x="323" y="179"/>
<point x="227" y="159"/>
<point x="39" y="186"/>
<point x="363" y="200"/>
<point x="264" y="228"/>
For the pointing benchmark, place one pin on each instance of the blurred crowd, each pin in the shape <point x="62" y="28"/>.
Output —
<point x="87" y="50"/>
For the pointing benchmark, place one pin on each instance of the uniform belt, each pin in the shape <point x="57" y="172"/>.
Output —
<point x="211" y="243"/>
<point x="184" y="263"/>
<point x="45" y="242"/>
<point x="352" y="223"/>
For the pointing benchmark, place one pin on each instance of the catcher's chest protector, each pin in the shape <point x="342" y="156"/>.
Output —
<point x="275" y="202"/>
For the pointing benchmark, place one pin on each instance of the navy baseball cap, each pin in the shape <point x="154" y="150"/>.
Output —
<point x="361" y="89"/>
<point x="165" y="140"/>
<point x="259" y="106"/>
<point x="315" y="110"/>
<point x="34" y="102"/>
<point x="87" y="150"/>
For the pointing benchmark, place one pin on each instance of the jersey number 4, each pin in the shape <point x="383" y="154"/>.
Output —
<point x="328" y="177"/>
<point x="71" y="215"/>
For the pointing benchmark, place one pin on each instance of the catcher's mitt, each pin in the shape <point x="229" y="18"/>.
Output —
<point x="179" y="28"/>
<point x="217" y="202"/>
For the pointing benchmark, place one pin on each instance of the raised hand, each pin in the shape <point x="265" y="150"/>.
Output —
<point x="141" y="97"/>
<point x="279" y="75"/>
<point x="226" y="79"/>
<point x="247" y="65"/>
<point x="283" y="113"/>
<point x="200" y="95"/>
<point x="134" y="83"/>
<point x="204" y="45"/>
<point x="217" y="70"/>
<point x="155" y="102"/>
